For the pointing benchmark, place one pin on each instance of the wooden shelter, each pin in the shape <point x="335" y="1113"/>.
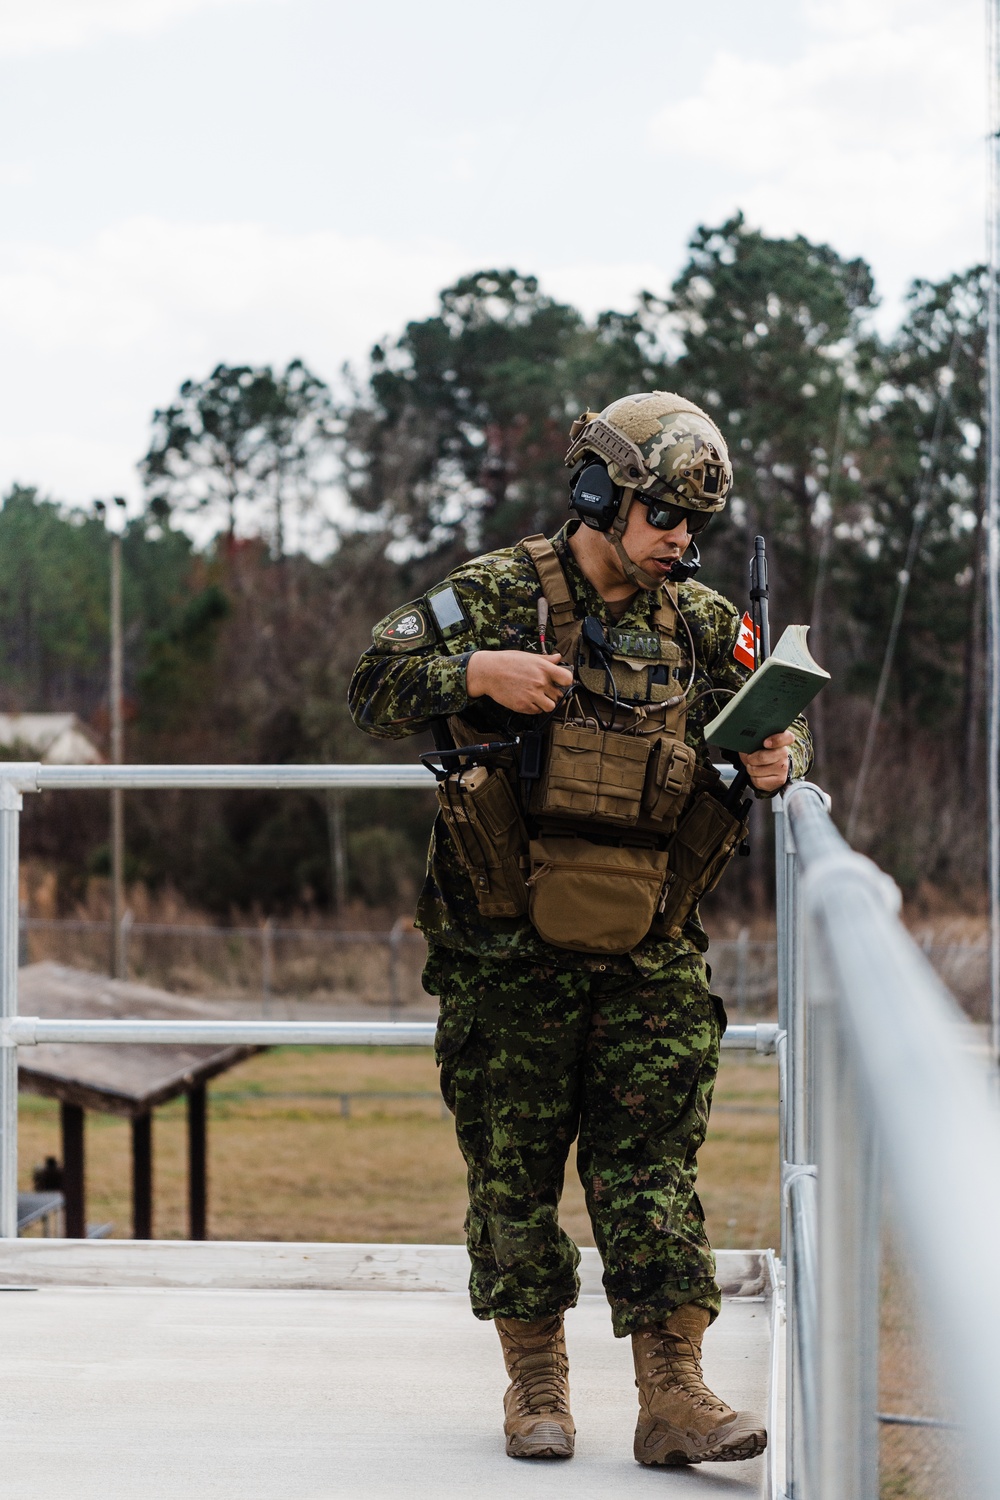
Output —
<point x="128" y="1080"/>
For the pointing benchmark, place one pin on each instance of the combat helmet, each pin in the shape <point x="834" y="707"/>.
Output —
<point x="655" y="445"/>
<point x="658" y="440"/>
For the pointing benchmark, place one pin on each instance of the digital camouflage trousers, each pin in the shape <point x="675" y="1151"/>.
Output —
<point x="533" y="1057"/>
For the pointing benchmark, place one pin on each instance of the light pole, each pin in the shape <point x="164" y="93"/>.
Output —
<point x="992" y="508"/>
<point x="118" y="963"/>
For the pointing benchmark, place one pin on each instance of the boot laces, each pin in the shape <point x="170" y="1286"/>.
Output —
<point x="537" y="1365"/>
<point x="540" y="1382"/>
<point x="680" y="1368"/>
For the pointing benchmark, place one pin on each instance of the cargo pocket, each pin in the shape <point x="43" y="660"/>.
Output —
<point x="454" y="1028"/>
<point x="719" y="1006"/>
<point x="593" y="898"/>
<point x="700" y="850"/>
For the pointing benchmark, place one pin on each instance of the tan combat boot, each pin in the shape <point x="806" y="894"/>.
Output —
<point x="537" y="1421"/>
<point x="680" y="1421"/>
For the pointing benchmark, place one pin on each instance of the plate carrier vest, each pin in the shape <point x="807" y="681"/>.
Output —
<point x="620" y="828"/>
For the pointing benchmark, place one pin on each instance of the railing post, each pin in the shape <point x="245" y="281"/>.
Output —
<point x="849" y="1257"/>
<point x="794" y="1143"/>
<point x="780" y="824"/>
<point x="791" y="1000"/>
<point x="801" y="1360"/>
<point x="10" y="822"/>
<point x="781" y="920"/>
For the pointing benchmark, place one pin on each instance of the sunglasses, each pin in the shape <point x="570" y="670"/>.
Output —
<point x="667" y="517"/>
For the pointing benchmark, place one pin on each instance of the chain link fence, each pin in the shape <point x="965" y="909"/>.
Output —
<point x="918" y="1444"/>
<point x="279" y="966"/>
<point x="275" y="966"/>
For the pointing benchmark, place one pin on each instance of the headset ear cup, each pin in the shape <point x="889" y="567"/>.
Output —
<point x="594" y="496"/>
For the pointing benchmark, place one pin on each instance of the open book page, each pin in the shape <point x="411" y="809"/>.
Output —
<point x="793" y="649"/>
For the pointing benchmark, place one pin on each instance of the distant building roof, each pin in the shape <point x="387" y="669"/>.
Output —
<point x="57" y="739"/>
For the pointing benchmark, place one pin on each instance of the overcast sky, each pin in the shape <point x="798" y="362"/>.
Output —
<point x="189" y="181"/>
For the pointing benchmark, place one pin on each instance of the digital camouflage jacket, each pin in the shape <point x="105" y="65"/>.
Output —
<point x="413" y="673"/>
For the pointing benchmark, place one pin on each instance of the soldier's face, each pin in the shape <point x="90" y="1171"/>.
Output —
<point x="649" y="547"/>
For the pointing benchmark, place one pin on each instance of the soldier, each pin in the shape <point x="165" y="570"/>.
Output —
<point x="561" y="908"/>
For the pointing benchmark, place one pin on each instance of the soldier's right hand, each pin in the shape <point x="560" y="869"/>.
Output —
<point x="519" y="680"/>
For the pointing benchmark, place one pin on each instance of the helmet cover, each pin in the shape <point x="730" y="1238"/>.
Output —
<point x="657" y="441"/>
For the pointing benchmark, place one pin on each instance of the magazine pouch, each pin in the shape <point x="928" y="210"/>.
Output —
<point x="594" y="774"/>
<point x="700" y="850"/>
<point x="669" y="775"/>
<point x="593" y="898"/>
<point x="481" y="814"/>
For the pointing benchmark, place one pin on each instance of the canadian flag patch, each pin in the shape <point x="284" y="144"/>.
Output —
<point x="743" y="650"/>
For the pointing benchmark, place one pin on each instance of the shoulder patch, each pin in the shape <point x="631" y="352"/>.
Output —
<point x="409" y="626"/>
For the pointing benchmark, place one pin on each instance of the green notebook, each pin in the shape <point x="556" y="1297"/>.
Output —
<point x="771" y="698"/>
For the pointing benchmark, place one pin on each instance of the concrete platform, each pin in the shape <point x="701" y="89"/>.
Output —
<point x="167" y="1392"/>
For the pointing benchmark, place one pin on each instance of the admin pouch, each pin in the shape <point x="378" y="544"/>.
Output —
<point x="593" y="898"/>
<point x="704" y="843"/>
<point x="481" y="814"/>
<point x="642" y="668"/>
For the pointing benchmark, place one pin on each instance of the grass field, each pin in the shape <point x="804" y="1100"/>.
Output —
<point x="295" y="1169"/>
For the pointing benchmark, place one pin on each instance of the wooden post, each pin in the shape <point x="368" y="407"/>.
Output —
<point x="338" y="850"/>
<point x="197" y="1113"/>
<point x="395" y="991"/>
<point x="142" y="1177"/>
<point x="742" y="954"/>
<point x="74" y="1181"/>
<point x="266" y="965"/>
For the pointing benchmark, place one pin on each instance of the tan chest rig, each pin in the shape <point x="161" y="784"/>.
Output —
<point x="608" y="835"/>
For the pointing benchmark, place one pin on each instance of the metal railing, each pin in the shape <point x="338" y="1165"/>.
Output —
<point x="878" y="1078"/>
<point x="877" y="1074"/>
<point x="31" y="1031"/>
<point x="18" y="778"/>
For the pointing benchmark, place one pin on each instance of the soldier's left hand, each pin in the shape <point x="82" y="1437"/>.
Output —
<point x="768" y="768"/>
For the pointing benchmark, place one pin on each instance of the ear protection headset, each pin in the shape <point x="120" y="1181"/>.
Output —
<point x="598" y="501"/>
